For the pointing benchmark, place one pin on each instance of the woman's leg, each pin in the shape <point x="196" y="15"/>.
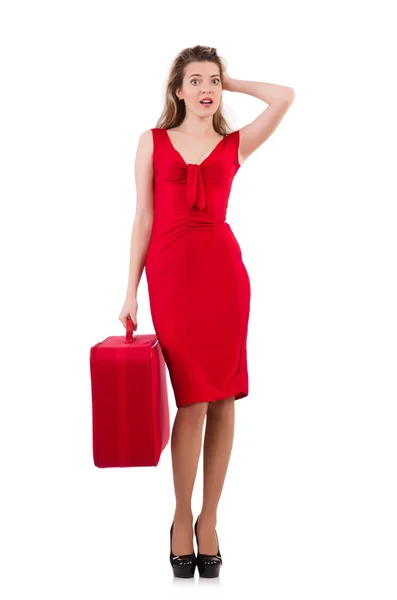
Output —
<point x="186" y="441"/>
<point x="218" y="444"/>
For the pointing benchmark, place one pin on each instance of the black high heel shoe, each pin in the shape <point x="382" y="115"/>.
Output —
<point x="183" y="565"/>
<point x="208" y="565"/>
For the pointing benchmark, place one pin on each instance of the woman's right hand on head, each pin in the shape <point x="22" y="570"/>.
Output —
<point x="129" y="309"/>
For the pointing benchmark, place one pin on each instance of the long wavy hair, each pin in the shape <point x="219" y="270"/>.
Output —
<point x="174" y="110"/>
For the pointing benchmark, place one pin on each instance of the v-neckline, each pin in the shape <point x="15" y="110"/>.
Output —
<point x="194" y="164"/>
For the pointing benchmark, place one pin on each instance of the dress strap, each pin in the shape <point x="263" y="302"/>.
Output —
<point x="233" y="147"/>
<point x="158" y="137"/>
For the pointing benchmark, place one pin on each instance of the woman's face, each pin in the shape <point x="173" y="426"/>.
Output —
<point x="201" y="80"/>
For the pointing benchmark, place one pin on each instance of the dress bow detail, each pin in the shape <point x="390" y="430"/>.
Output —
<point x="191" y="175"/>
<point x="195" y="186"/>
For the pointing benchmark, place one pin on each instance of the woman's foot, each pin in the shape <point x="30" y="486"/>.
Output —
<point x="183" y="565"/>
<point x="207" y="540"/>
<point x="182" y="536"/>
<point x="208" y="562"/>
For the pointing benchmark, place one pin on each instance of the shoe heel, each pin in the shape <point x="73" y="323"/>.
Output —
<point x="209" y="565"/>
<point x="183" y="565"/>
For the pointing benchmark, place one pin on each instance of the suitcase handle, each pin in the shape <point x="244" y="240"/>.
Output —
<point x="129" y="336"/>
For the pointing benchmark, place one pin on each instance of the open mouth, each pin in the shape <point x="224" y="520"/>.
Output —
<point x="207" y="101"/>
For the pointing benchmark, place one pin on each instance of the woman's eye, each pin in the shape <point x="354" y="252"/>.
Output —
<point x="217" y="80"/>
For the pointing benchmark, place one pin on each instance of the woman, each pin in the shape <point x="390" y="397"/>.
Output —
<point x="198" y="286"/>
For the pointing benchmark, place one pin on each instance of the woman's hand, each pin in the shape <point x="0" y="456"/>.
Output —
<point x="225" y="79"/>
<point x="129" y="309"/>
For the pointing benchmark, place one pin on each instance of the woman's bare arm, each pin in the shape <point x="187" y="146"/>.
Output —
<point x="279" y="98"/>
<point x="142" y="226"/>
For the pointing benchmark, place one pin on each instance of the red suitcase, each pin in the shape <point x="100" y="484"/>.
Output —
<point x="130" y="414"/>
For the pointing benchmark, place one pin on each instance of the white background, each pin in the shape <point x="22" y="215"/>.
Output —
<point x="309" y="504"/>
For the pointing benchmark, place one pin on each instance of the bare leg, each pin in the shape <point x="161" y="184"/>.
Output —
<point x="186" y="442"/>
<point x="218" y="444"/>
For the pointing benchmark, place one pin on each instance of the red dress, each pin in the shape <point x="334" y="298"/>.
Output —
<point x="199" y="288"/>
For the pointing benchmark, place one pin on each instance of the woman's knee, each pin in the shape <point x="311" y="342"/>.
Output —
<point x="194" y="412"/>
<point x="220" y="405"/>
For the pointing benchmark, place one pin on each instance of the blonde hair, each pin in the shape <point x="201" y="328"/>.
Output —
<point x="174" y="110"/>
